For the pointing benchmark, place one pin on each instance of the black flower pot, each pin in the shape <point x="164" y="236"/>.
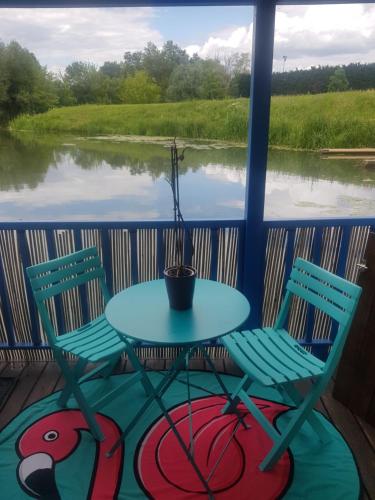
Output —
<point x="180" y="283"/>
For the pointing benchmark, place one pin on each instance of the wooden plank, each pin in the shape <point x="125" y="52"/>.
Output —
<point x="13" y="369"/>
<point x="368" y="430"/>
<point x="156" y="364"/>
<point x="3" y="365"/>
<point x="28" y="377"/>
<point x="218" y="364"/>
<point x="129" y="367"/>
<point x="231" y="368"/>
<point x="121" y="366"/>
<point x="196" y="364"/>
<point x="356" y="151"/>
<point x="61" y="380"/>
<point x="352" y="432"/>
<point x="60" y="383"/>
<point x="37" y="380"/>
<point x="3" y="373"/>
<point x="363" y="158"/>
<point x="355" y="380"/>
<point x="304" y="387"/>
<point x="365" y="495"/>
<point x="45" y="385"/>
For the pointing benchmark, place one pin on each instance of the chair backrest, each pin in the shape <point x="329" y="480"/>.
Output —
<point x="56" y="276"/>
<point x="335" y="296"/>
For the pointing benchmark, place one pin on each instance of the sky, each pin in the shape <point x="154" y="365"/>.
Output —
<point x="306" y="35"/>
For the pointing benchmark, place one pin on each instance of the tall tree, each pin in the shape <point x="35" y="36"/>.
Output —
<point x="338" y="81"/>
<point x="203" y="79"/>
<point x="25" y="86"/>
<point x="159" y="64"/>
<point x="240" y="85"/>
<point x="133" y="61"/>
<point x="112" y="69"/>
<point x="87" y="84"/>
<point x="139" y="88"/>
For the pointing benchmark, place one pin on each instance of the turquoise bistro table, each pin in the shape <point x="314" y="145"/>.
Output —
<point x="142" y="312"/>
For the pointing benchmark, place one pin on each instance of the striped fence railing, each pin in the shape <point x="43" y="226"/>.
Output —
<point x="337" y="245"/>
<point x="131" y="252"/>
<point x="138" y="251"/>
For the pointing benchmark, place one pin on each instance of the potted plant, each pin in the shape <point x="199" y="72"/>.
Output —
<point x="179" y="278"/>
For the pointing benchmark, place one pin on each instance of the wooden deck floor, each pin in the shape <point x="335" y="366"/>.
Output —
<point x="36" y="380"/>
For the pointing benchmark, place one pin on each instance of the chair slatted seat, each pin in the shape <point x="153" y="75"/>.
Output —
<point x="266" y="351"/>
<point x="93" y="342"/>
<point x="271" y="357"/>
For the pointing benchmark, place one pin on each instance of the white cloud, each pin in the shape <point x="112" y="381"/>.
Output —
<point x="313" y="35"/>
<point x="225" y="174"/>
<point x="59" y="36"/>
<point x="286" y="195"/>
<point x="67" y="185"/>
<point x="324" y="34"/>
<point x="307" y="35"/>
<point x="238" y="40"/>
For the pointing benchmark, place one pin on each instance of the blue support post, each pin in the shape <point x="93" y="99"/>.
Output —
<point x="6" y="308"/>
<point x="260" y="102"/>
<point x="26" y="262"/>
<point x="107" y="259"/>
<point x="289" y="254"/>
<point x="241" y="258"/>
<point x="160" y="251"/>
<point x="315" y="258"/>
<point x="134" y="256"/>
<point x="214" y="253"/>
<point x="52" y="254"/>
<point x="82" y="289"/>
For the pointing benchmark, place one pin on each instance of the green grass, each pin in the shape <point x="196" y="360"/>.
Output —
<point x="333" y="120"/>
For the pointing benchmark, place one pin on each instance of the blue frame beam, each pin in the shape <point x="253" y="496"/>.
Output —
<point x="161" y="3"/>
<point x="260" y="103"/>
<point x="121" y="3"/>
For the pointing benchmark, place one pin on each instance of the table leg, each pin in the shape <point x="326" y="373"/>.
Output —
<point x="191" y="436"/>
<point x="156" y="395"/>
<point x="221" y="383"/>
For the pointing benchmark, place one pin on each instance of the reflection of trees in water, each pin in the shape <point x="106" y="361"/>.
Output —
<point x="152" y="159"/>
<point x="24" y="160"/>
<point x="23" y="163"/>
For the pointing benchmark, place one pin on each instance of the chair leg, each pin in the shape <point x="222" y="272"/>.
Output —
<point x="301" y="414"/>
<point x="231" y="406"/>
<point x="312" y="418"/>
<point x="73" y="387"/>
<point x="67" y="390"/>
<point x="138" y="367"/>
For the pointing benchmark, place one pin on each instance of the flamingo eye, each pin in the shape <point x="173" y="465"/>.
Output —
<point x="51" y="436"/>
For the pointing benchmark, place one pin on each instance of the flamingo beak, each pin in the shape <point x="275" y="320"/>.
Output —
<point x="37" y="476"/>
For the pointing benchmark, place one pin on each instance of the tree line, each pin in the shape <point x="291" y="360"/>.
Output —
<point x="147" y="76"/>
<point x="320" y="79"/>
<point x="154" y="74"/>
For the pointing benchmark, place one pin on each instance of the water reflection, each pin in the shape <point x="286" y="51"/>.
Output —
<point x="54" y="178"/>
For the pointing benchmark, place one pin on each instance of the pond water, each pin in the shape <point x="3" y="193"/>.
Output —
<point x="110" y="178"/>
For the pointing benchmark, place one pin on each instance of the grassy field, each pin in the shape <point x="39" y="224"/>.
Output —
<point x="344" y="119"/>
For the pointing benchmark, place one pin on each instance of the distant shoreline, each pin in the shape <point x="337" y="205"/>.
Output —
<point x="306" y="122"/>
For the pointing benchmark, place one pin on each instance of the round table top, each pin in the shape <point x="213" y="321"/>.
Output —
<point x="142" y="312"/>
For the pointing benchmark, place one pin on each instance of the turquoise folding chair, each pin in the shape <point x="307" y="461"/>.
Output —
<point x="94" y="342"/>
<point x="271" y="357"/>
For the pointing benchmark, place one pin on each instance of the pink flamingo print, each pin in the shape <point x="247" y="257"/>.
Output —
<point x="54" y="438"/>
<point x="164" y="472"/>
